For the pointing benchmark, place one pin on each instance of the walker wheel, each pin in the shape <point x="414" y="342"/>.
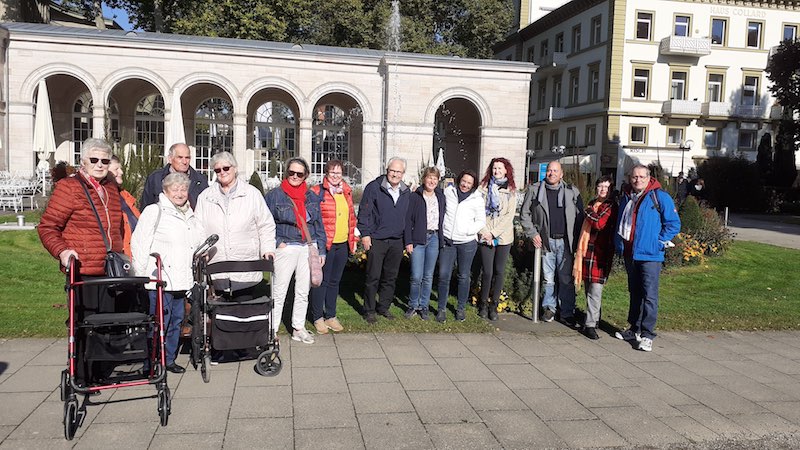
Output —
<point x="70" y="419"/>
<point x="205" y="369"/>
<point x="269" y="364"/>
<point x="164" y="405"/>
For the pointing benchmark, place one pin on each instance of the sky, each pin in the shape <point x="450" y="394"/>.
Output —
<point x="119" y="15"/>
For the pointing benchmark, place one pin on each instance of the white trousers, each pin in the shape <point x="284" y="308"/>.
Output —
<point x="292" y="259"/>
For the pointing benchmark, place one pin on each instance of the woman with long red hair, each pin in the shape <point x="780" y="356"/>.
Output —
<point x="500" y="194"/>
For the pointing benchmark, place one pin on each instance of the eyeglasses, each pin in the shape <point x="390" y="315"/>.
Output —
<point x="220" y="169"/>
<point x="397" y="171"/>
<point x="105" y="161"/>
<point x="335" y="174"/>
<point x="292" y="173"/>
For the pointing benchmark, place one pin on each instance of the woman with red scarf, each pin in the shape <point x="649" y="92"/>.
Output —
<point x="296" y="212"/>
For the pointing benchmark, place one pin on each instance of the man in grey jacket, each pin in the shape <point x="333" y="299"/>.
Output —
<point x="552" y="215"/>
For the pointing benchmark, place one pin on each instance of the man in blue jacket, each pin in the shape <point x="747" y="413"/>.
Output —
<point x="381" y="222"/>
<point x="178" y="158"/>
<point x="647" y="223"/>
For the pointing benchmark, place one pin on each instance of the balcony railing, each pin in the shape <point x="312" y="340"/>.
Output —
<point x="751" y="111"/>
<point x="681" y="108"/>
<point x="685" y="46"/>
<point x="548" y="114"/>
<point x="717" y="109"/>
<point x="555" y="60"/>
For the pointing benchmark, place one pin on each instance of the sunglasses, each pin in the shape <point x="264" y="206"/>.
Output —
<point x="105" y="161"/>
<point x="220" y="169"/>
<point x="292" y="173"/>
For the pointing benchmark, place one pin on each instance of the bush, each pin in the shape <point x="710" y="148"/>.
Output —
<point x="691" y="217"/>
<point x="732" y="182"/>
<point x="255" y="181"/>
<point x="702" y="234"/>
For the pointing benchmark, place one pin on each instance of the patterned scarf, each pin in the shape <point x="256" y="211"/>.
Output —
<point x="335" y="189"/>
<point x="493" y="201"/>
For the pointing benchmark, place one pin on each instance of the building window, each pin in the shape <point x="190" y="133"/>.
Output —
<point x="789" y="32"/>
<point x="638" y="134"/>
<point x="556" y="92"/>
<point x="559" y="43"/>
<point x="591" y="135"/>
<point x="576" y="38"/>
<point x="553" y="138"/>
<point x="572" y="138"/>
<point x="594" y="83"/>
<point x="754" y="34"/>
<point x="641" y="80"/>
<point x="150" y="123"/>
<point x="719" y="31"/>
<point x="750" y="91"/>
<point x="747" y="139"/>
<point x="678" y="86"/>
<point x="674" y="136"/>
<point x="711" y="138"/>
<point x="644" y="23"/>
<point x="538" y="140"/>
<point x="574" y="86"/>
<point x="531" y="54"/>
<point x="213" y="131"/>
<point x="81" y="124"/>
<point x="596" y="31"/>
<point x="331" y="136"/>
<point x="541" y="99"/>
<point x="274" y="136"/>
<point x="682" y="25"/>
<point x="714" y="93"/>
<point x="543" y="48"/>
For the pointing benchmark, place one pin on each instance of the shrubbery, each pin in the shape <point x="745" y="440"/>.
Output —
<point x="732" y="182"/>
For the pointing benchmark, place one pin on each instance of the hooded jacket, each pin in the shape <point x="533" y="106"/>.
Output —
<point x="463" y="220"/>
<point x="652" y="226"/>
<point x="69" y="223"/>
<point x="173" y="235"/>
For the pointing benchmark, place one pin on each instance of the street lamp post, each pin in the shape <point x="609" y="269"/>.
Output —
<point x="685" y="145"/>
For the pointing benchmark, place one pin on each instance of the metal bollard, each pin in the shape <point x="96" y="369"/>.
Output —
<point x="537" y="283"/>
<point x="21" y="220"/>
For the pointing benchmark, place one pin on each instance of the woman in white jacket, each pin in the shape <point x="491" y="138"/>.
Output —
<point x="170" y="229"/>
<point x="464" y="218"/>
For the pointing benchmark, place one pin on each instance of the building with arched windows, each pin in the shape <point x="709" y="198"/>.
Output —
<point x="263" y="101"/>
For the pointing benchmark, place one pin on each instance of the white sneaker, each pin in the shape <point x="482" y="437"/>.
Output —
<point x="303" y="336"/>
<point x="646" y="345"/>
<point x="628" y="335"/>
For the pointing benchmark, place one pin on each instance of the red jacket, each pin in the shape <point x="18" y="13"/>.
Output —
<point x="131" y="202"/>
<point x="69" y="223"/>
<point x="328" y="209"/>
<point x="599" y="256"/>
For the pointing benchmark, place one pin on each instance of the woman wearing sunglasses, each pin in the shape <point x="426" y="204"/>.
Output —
<point x="298" y="221"/>
<point x="69" y="227"/>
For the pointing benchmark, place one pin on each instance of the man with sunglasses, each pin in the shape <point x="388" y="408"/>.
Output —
<point x="178" y="157"/>
<point x="381" y="222"/>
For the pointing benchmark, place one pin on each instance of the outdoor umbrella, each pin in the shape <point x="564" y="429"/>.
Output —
<point x="176" y="132"/>
<point x="44" y="140"/>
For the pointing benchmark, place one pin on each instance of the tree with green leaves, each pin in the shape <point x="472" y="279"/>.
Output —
<point x="783" y="69"/>
<point x="466" y="28"/>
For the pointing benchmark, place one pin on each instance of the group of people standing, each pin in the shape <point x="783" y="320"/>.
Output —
<point x="579" y="246"/>
<point x="438" y="228"/>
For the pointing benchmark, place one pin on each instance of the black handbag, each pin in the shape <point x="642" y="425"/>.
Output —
<point x="117" y="265"/>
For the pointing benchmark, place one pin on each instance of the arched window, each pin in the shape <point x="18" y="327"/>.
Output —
<point x="213" y="130"/>
<point x="150" y="124"/>
<point x="82" y="125"/>
<point x="331" y="131"/>
<point x="274" y="136"/>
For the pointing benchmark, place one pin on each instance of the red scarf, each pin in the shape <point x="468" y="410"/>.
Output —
<point x="298" y="197"/>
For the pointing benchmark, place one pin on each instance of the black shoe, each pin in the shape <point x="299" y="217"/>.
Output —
<point x="483" y="312"/>
<point x="174" y="368"/>
<point x="548" y="315"/>
<point x="570" y="322"/>
<point x="370" y="318"/>
<point x="423" y="314"/>
<point x="591" y="333"/>
<point x="461" y="315"/>
<point x="387" y="314"/>
<point x="492" y="313"/>
<point x="410" y="313"/>
<point x="441" y="316"/>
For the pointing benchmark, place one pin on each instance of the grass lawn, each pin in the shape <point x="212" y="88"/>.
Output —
<point x="754" y="286"/>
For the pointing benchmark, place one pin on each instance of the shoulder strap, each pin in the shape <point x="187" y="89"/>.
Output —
<point x="654" y="196"/>
<point x="305" y="227"/>
<point x="94" y="210"/>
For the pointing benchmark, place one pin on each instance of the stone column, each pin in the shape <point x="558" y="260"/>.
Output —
<point x="99" y="120"/>
<point x="240" y="142"/>
<point x="305" y="139"/>
<point x="20" y="136"/>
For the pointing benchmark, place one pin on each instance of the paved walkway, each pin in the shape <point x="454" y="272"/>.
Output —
<point x="759" y="228"/>
<point x="551" y="389"/>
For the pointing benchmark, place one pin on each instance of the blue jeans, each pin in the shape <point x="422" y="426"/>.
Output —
<point x="643" y="288"/>
<point x="173" y="316"/>
<point x="323" y="298"/>
<point x="423" y="263"/>
<point x="557" y="263"/>
<point x="463" y="254"/>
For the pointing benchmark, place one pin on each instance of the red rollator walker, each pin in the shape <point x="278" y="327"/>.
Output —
<point x="113" y="341"/>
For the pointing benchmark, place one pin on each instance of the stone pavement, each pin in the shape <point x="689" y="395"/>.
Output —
<point x="552" y="389"/>
<point x="765" y="229"/>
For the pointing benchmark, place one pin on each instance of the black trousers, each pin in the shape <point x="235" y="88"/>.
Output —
<point x="493" y="260"/>
<point x="383" y="263"/>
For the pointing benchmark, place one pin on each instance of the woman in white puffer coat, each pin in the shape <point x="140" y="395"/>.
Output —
<point x="171" y="229"/>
